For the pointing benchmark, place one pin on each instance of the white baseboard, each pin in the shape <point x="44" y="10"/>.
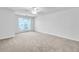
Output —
<point x="7" y="36"/>
<point x="66" y="37"/>
<point x="62" y="36"/>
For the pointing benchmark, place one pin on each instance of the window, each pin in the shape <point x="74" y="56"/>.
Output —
<point x="24" y="24"/>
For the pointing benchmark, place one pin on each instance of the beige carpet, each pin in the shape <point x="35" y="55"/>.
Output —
<point x="38" y="42"/>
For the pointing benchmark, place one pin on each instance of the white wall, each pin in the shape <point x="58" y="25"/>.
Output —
<point x="62" y="23"/>
<point x="7" y="23"/>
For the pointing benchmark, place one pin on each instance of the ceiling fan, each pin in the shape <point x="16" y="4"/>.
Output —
<point x="35" y="10"/>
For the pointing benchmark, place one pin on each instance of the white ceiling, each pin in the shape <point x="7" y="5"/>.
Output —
<point x="43" y="10"/>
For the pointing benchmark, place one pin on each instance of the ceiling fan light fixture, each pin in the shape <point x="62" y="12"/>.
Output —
<point x="35" y="10"/>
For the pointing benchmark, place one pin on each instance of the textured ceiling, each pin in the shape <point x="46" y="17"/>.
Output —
<point x="43" y="10"/>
